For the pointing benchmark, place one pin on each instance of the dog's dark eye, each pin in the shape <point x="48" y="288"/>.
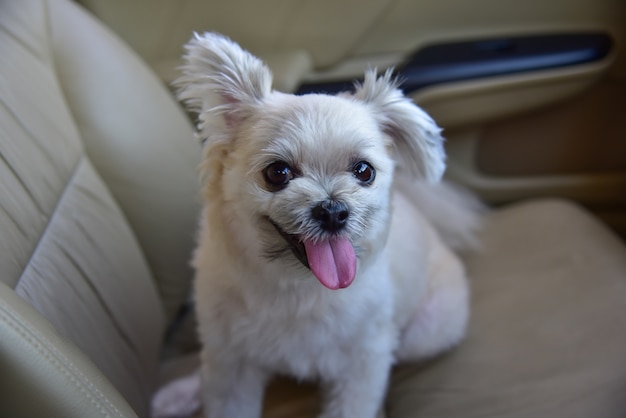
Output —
<point x="278" y="174"/>
<point x="364" y="172"/>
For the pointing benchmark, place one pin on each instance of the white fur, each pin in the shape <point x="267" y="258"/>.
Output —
<point x="259" y="314"/>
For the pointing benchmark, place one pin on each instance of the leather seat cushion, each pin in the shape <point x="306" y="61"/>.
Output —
<point x="548" y="331"/>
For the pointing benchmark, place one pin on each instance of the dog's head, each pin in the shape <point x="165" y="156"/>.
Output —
<point x="309" y="177"/>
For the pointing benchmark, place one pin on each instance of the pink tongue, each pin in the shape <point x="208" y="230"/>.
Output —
<point x="333" y="262"/>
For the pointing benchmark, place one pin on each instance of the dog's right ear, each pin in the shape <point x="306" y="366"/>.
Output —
<point x="221" y="81"/>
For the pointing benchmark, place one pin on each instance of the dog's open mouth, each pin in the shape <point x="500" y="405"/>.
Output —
<point x="332" y="261"/>
<point x="297" y="247"/>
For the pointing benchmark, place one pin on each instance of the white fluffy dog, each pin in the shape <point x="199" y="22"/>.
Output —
<point x="314" y="259"/>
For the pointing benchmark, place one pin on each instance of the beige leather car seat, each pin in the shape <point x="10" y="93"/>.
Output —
<point x="98" y="206"/>
<point x="97" y="215"/>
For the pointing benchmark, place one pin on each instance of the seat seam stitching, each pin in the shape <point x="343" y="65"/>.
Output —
<point x="43" y="346"/>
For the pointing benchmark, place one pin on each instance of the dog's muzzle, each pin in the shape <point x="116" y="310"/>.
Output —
<point x="332" y="259"/>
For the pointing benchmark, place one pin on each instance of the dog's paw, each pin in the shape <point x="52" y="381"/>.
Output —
<point x="178" y="399"/>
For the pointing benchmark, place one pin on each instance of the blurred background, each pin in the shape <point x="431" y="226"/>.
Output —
<point x="532" y="95"/>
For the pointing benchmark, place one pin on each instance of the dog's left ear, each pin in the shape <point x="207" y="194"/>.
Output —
<point x="416" y="136"/>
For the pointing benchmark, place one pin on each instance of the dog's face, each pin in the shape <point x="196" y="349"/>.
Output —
<point x="306" y="177"/>
<point x="314" y="173"/>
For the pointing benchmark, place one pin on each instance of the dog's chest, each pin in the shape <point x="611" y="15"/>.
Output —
<point x="308" y="337"/>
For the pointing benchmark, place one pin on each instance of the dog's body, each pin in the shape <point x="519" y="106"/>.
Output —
<point x="311" y="261"/>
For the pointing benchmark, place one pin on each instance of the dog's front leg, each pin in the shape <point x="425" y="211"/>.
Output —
<point x="231" y="387"/>
<point x="359" y="392"/>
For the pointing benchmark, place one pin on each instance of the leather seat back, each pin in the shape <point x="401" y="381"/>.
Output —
<point x="97" y="212"/>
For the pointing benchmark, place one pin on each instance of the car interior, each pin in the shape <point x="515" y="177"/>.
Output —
<point x="99" y="193"/>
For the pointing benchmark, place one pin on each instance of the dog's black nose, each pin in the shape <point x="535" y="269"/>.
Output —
<point x="331" y="214"/>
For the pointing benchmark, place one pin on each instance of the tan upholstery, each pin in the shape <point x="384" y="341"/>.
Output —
<point x="548" y="333"/>
<point x="98" y="209"/>
<point x="98" y="206"/>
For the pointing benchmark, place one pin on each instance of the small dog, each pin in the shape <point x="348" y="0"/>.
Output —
<point x="314" y="259"/>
